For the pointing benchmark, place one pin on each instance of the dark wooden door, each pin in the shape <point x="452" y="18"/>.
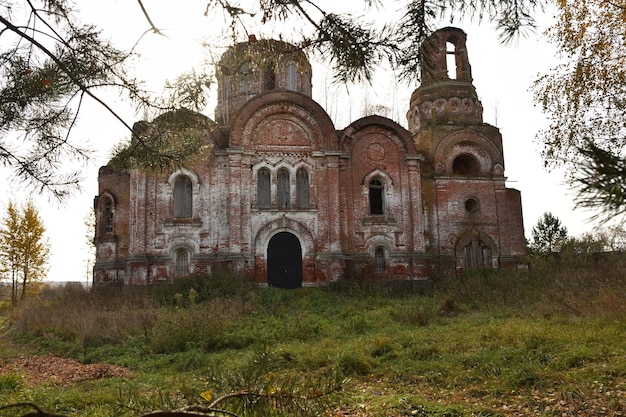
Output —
<point x="284" y="261"/>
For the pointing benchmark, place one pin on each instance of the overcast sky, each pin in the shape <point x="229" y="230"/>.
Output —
<point x="502" y="77"/>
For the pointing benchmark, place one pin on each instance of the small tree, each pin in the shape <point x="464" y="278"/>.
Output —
<point x="23" y="249"/>
<point x="90" y="227"/>
<point x="547" y="234"/>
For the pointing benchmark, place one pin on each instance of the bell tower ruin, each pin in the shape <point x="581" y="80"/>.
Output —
<point x="475" y="221"/>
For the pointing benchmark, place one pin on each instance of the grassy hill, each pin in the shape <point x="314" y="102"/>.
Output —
<point x="545" y="342"/>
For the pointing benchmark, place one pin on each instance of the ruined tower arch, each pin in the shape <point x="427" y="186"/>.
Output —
<point x="468" y="153"/>
<point x="249" y="69"/>
<point x="434" y="52"/>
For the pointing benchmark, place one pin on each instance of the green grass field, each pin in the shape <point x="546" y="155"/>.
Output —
<point x="549" y="342"/>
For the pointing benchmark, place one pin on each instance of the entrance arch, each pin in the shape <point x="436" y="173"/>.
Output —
<point x="284" y="261"/>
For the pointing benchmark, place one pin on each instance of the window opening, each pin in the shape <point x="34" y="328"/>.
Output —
<point x="292" y="77"/>
<point x="182" y="263"/>
<point x="225" y="97"/>
<point x="263" y="189"/>
<point x="451" y="60"/>
<point x="466" y="165"/>
<point x="379" y="259"/>
<point x="269" y="78"/>
<point x="302" y="188"/>
<point x="283" y="192"/>
<point x="472" y="205"/>
<point x="226" y="89"/>
<point x="376" y="196"/>
<point x="245" y="82"/>
<point x="183" y="197"/>
<point x="108" y="216"/>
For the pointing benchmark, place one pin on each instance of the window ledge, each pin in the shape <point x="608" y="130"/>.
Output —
<point x="290" y="209"/>
<point x="107" y="237"/>
<point x="183" y="221"/>
<point x="378" y="219"/>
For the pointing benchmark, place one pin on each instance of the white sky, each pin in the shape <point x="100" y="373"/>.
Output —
<point x="502" y="77"/>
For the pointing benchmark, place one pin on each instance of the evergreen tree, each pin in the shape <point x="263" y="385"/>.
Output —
<point x="51" y="62"/>
<point x="548" y="234"/>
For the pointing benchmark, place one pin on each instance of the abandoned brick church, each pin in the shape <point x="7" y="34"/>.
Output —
<point x="288" y="199"/>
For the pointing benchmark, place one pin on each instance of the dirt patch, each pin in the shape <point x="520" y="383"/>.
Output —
<point x="60" y="371"/>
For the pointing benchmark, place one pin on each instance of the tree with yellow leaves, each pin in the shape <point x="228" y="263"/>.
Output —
<point x="24" y="251"/>
<point x="585" y="100"/>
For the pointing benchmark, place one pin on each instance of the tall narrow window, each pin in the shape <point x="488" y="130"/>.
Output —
<point x="182" y="263"/>
<point x="451" y="60"/>
<point x="292" y="77"/>
<point x="183" y="197"/>
<point x="263" y="190"/>
<point x="225" y="98"/>
<point x="376" y="196"/>
<point x="107" y="216"/>
<point x="379" y="259"/>
<point x="283" y="195"/>
<point x="302" y="188"/>
<point x="269" y="77"/>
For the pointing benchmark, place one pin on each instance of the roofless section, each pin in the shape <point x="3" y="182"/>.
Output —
<point x="248" y="69"/>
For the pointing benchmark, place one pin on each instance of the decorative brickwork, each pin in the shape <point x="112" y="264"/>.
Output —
<point x="289" y="200"/>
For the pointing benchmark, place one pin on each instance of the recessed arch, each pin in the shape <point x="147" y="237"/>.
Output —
<point x="296" y="110"/>
<point x="107" y="207"/>
<point x="475" y="249"/>
<point x="284" y="223"/>
<point x="487" y="153"/>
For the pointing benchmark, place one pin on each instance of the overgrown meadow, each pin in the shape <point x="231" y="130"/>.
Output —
<point x="545" y="342"/>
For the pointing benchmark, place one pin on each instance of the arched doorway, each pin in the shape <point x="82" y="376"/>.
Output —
<point x="476" y="255"/>
<point x="284" y="261"/>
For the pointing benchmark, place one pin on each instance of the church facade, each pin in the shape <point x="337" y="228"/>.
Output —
<point x="286" y="198"/>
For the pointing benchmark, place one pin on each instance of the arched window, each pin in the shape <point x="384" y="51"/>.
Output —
<point x="263" y="190"/>
<point x="182" y="263"/>
<point x="379" y="259"/>
<point x="283" y="196"/>
<point x="376" y="196"/>
<point x="107" y="216"/>
<point x="466" y="165"/>
<point x="302" y="188"/>
<point x="292" y="77"/>
<point x="183" y="197"/>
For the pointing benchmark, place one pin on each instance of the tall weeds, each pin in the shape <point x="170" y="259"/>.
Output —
<point x="201" y="312"/>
